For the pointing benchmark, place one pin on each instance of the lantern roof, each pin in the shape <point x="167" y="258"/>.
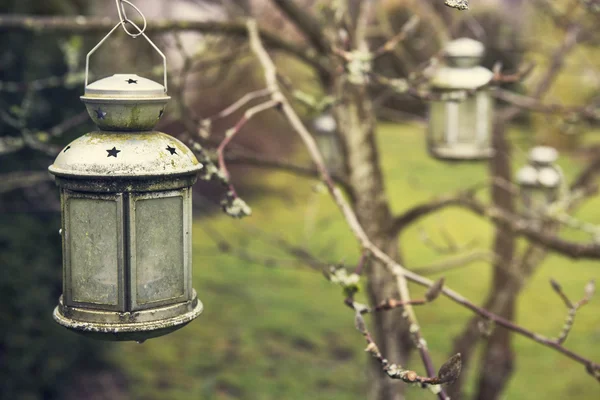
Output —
<point x="527" y="176"/>
<point x="548" y="177"/>
<point x="325" y="123"/>
<point x="451" y="78"/>
<point x="125" y="86"/>
<point x="136" y="155"/>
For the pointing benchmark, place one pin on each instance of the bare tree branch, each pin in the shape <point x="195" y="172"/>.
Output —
<point x="306" y="22"/>
<point x="88" y="25"/>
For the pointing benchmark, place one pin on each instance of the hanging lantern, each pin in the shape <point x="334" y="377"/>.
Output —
<point x="325" y="130"/>
<point x="460" y="126"/>
<point x="539" y="181"/>
<point x="126" y="215"/>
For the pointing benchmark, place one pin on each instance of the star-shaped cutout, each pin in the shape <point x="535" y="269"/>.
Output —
<point x="113" y="152"/>
<point x="66" y="148"/>
<point x="130" y="81"/>
<point x="100" y="114"/>
<point x="172" y="150"/>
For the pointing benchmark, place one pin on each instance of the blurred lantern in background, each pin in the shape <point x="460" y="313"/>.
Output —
<point x="539" y="181"/>
<point x="328" y="141"/>
<point x="126" y="215"/>
<point x="460" y="117"/>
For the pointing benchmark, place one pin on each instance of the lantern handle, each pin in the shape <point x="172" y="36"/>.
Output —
<point x="141" y="33"/>
<point x="124" y="20"/>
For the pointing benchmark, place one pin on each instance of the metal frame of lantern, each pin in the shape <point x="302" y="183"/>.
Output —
<point x="460" y="126"/>
<point x="539" y="181"/>
<point x="325" y="133"/>
<point x="126" y="214"/>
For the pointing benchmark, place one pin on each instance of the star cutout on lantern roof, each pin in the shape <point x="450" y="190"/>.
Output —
<point x="113" y="152"/>
<point x="172" y="150"/>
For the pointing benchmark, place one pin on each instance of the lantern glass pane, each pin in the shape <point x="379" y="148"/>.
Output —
<point x="466" y="121"/>
<point x="538" y="201"/>
<point x="437" y="122"/>
<point x="483" y="114"/>
<point x="93" y="231"/>
<point x="159" y="249"/>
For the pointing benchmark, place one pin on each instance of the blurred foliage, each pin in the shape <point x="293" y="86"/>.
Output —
<point x="577" y="83"/>
<point x="37" y="357"/>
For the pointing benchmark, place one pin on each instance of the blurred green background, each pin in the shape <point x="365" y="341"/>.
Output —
<point x="272" y="328"/>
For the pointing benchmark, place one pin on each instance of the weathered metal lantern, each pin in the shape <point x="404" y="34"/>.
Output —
<point x="539" y="181"/>
<point x="325" y="130"/>
<point x="126" y="216"/>
<point x="460" y="125"/>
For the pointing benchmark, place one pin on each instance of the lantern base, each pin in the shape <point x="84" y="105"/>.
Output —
<point x="461" y="153"/>
<point x="136" y="328"/>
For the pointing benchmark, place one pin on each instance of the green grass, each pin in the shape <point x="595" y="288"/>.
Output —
<point x="283" y="333"/>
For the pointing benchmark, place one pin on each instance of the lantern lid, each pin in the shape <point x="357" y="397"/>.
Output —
<point x="543" y="155"/>
<point x="125" y="102"/>
<point x="114" y="155"/>
<point x="125" y="86"/>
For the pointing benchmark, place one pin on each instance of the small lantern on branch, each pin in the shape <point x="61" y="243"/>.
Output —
<point x="539" y="181"/>
<point x="126" y="215"/>
<point x="461" y="112"/>
<point x="328" y="141"/>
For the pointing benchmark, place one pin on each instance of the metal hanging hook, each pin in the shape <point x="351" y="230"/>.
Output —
<point x="125" y="20"/>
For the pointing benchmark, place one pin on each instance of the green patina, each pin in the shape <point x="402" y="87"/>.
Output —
<point x="134" y="116"/>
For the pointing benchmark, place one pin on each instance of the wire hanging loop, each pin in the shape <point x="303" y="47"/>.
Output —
<point x="125" y="20"/>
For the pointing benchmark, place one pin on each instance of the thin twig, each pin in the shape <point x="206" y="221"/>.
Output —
<point x="230" y="134"/>
<point x="406" y="30"/>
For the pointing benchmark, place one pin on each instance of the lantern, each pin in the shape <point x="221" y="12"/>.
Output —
<point x="539" y="181"/>
<point x="126" y="216"/>
<point x="325" y="133"/>
<point x="460" y="117"/>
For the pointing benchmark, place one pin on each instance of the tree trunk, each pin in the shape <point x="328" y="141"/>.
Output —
<point x="357" y="125"/>
<point x="498" y="358"/>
